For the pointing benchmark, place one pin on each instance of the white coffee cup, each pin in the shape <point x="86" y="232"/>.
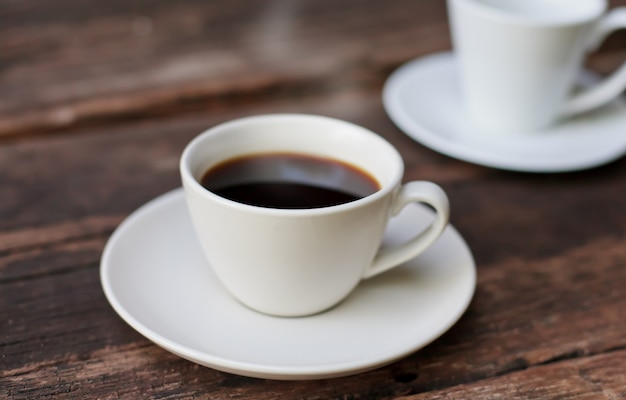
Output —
<point x="295" y="262"/>
<point x="518" y="60"/>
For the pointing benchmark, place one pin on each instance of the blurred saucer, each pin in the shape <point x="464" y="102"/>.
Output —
<point x="423" y="99"/>
<point x="156" y="278"/>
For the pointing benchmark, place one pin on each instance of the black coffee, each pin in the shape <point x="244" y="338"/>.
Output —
<point x="289" y="181"/>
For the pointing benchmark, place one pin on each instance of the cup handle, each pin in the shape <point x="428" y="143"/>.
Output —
<point x="614" y="84"/>
<point x="422" y="192"/>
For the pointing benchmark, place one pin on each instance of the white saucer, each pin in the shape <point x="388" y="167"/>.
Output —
<point x="423" y="99"/>
<point x="155" y="277"/>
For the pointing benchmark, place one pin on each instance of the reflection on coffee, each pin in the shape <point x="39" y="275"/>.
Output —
<point x="288" y="181"/>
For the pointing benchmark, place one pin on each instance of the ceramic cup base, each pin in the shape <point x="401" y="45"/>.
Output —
<point x="156" y="278"/>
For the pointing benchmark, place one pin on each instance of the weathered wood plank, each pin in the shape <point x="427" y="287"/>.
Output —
<point x="105" y="60"/>
<point x="49" y="184"/>
<point x="529" y="216"/>
<point x="549" y="315"/>
<point x="60" y="337"/>
<point x="14" y="241"/>
<point x="121" y="59"/>
<point x="598" y="377"/>
<point x="109" y="171"/>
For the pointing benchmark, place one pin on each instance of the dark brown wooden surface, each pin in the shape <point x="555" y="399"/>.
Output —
<point x="98" y="99"/>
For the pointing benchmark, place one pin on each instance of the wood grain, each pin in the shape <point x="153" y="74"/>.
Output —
<point x="149" y="55"/>
<point x="545" y="295"/>
<point x="152" y="54"/>
<point x="125" y="85"/>
<point x="596" y="377"/>
<point x="554" y="311"/>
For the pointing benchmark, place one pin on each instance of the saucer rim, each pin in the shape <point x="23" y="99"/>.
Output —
<point x="416" y="130"/>
<point x="250" y="369"/>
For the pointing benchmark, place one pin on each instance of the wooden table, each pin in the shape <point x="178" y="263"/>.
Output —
<point x="98" y="99"/>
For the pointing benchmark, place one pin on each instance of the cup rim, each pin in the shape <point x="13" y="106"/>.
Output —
<point x="190" y="182"/>
<point x="512" y="18"/>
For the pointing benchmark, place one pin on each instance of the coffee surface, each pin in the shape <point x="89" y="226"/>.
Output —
<point x="288" y="181"/>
